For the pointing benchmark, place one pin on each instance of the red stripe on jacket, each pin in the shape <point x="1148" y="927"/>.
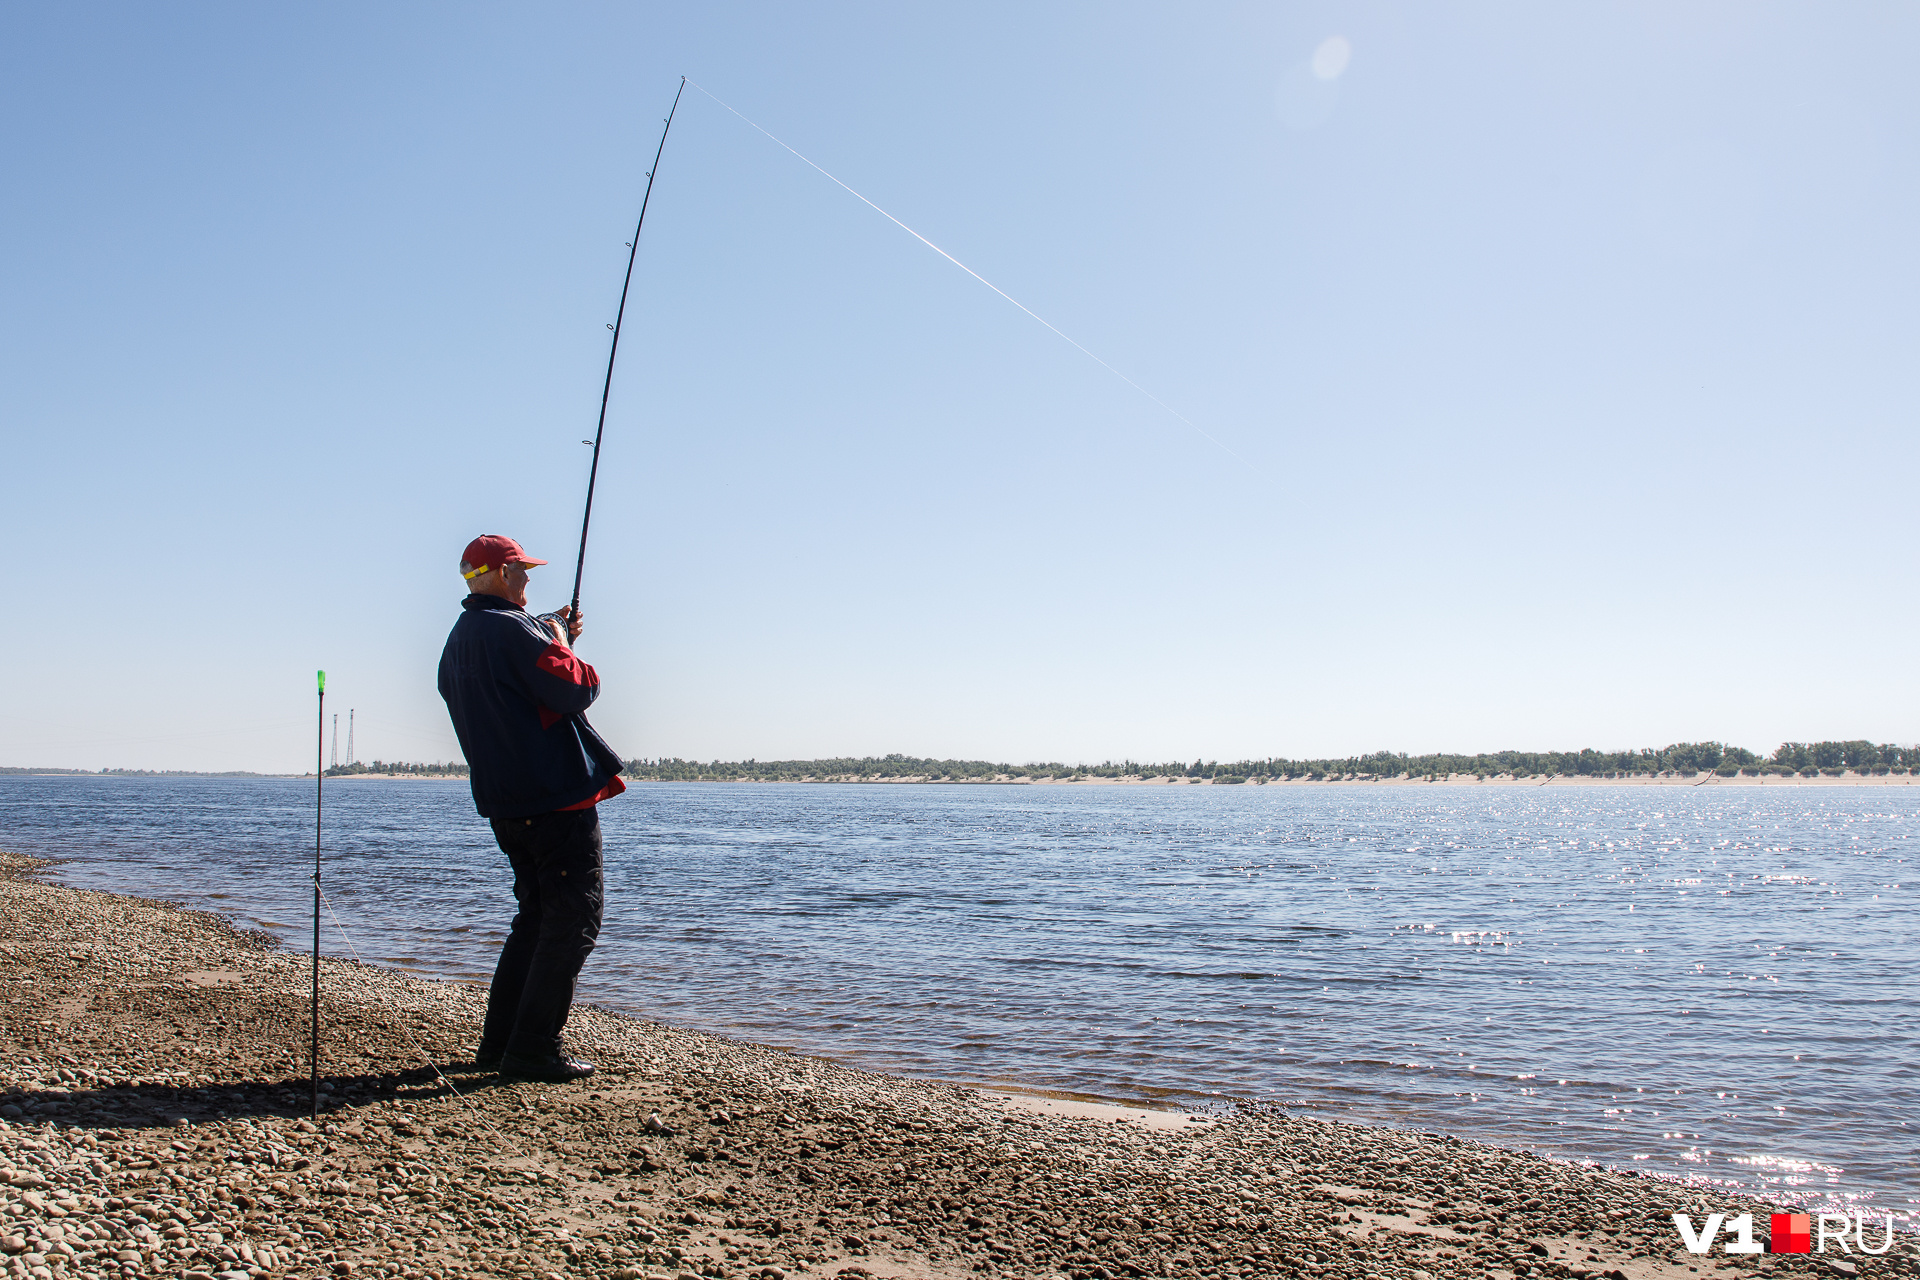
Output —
<point x="607" y="792"/>
<point x="558" y="660"/>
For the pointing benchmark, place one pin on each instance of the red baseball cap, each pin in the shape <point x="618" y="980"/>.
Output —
<point x="490" y="551"/>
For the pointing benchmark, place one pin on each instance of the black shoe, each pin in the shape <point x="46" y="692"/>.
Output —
<point x="485" y="1061"/>
<point x="559" y="1069"/>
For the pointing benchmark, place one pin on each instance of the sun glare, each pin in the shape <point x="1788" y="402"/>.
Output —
<point x="1331" y="58"/>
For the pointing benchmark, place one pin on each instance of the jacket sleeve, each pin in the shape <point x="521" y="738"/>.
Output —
<point x="552" y="675"/>
<point x="562" y="682"/>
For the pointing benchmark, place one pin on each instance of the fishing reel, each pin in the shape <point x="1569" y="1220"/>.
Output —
<point x="556" y="621"/>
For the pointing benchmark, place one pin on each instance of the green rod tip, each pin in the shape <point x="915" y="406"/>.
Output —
<point x="323" y="680"/>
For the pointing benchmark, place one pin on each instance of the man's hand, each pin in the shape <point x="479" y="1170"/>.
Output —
<point x="572" y="623"/>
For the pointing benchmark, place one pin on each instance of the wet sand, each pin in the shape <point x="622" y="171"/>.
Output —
<point x="153" y="1100"/>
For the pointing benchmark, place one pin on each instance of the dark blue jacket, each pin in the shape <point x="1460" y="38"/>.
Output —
<point x="516" y="699"/>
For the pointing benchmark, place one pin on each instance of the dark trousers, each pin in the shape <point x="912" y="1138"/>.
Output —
<point x="558" y="883"/>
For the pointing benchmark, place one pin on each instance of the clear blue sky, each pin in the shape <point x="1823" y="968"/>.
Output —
<point x="1563" y="356"/>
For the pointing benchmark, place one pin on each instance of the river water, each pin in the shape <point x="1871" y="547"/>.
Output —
<point x="1710" y="983"/>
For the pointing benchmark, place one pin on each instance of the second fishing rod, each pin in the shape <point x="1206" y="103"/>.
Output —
<point x="572" y="611"/>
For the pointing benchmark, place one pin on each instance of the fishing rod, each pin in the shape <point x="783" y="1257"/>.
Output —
<point x="319" y="795"/>
<point x="606" y="390"/>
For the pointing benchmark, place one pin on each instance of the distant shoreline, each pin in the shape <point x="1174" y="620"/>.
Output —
<point x="1451" y="780"/>
<point x="1850" y="762"/>
<point x="282" y="777"/>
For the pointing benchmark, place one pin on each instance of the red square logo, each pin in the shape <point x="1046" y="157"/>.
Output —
<point x="1791" y="1233"/>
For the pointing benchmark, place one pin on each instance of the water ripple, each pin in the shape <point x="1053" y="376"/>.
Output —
<point x="1719" y="985"/>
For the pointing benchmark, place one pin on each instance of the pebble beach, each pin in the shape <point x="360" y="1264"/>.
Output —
<point x="154" y="1121"/>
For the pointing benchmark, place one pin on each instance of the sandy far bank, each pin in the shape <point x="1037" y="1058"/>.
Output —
<point x="151" y="1123"/>
<point x="1442" y="780"/>
<point x="394" y="777"/>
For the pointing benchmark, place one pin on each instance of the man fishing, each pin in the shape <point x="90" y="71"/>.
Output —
<point x="516" y="693"/>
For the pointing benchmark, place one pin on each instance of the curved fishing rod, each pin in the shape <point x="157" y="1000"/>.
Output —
<point x="633" y="249"/>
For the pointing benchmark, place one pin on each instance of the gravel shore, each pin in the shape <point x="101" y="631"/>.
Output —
<point x="153" y="1100"/>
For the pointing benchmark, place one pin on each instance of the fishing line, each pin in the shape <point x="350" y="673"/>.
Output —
<point x="490" y="1196"/>
<point x="976" y="275"/>
<point x="405" y="1030"/>
<point x="466" y="1101"/>
<point x="320" y="898"/>
<point x="473" y="1107"/>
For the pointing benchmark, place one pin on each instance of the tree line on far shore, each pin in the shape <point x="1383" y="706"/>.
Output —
<point x="1807" y="759"/>
<point x="394" y="767"/>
